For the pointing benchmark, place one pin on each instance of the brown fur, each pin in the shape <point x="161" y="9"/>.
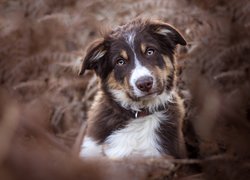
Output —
<point x="106" y="114"/>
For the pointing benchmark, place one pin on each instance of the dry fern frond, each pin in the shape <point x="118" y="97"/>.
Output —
<point x="40" y="53"/>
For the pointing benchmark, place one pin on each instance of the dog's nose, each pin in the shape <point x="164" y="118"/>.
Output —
<point x="144" y="83"/>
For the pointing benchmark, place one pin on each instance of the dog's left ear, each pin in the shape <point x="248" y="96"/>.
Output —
<point x="167" y="33"/>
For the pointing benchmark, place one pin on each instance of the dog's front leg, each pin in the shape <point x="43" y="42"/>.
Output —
<point x="90" y="148"/>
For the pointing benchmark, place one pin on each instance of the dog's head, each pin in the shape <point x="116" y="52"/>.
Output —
<point x="135" y="61"/>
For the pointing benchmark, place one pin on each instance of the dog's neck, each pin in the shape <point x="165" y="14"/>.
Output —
<point x="140" y="112"/>
<point x="145" y="112"/>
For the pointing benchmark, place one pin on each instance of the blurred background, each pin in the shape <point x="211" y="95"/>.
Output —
<point x="43" y="102"/>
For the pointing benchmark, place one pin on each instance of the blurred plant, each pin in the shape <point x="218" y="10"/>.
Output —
<point x="42" y="44"/>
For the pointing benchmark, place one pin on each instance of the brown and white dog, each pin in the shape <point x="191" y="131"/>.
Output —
<point x="137" y="110"/>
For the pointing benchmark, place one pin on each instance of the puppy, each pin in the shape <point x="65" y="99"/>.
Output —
<point x="137" y="111"/>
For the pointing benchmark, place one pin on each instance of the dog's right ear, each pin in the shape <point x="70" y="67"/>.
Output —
<point x="95" y="54"/>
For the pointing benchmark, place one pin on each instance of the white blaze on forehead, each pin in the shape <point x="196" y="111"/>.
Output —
<point x="130" y="39"/>
<point x="139" y="70"/>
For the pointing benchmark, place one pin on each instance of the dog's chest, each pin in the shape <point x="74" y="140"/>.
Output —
<point x="138" y="137"/>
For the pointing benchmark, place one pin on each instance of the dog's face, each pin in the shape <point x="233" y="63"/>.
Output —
<point x="135" y="61"/>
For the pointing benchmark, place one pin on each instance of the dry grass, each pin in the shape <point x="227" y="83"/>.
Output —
<point x="43" y="102"/>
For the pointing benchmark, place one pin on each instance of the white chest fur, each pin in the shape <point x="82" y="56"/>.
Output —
<point x="138" y="137"/>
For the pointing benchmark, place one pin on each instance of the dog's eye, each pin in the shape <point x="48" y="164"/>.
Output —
<point x="150" y="51"/>
<point x="120" y="62"/>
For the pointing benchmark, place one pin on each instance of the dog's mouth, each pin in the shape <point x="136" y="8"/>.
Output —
<point x="146" y="96"/>
<point x="149" y="95"/>
<point x="143" y="92"/>
<point x="156" y="90"/>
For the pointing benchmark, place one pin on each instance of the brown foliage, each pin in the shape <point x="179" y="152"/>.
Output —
<point x="41" y="47"/>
